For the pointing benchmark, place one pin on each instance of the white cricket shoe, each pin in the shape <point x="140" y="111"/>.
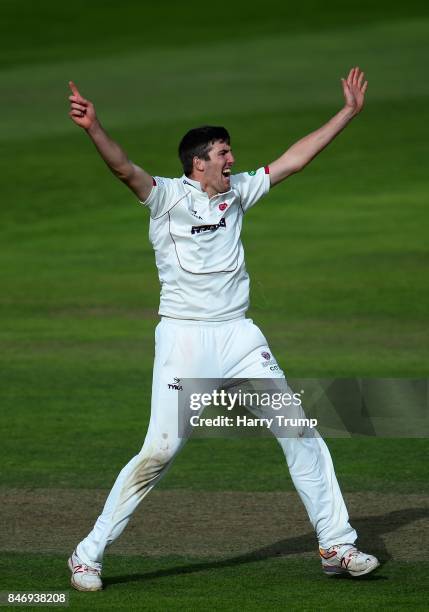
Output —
<point x="347" y="559"/>
<point x="84" y="577"/>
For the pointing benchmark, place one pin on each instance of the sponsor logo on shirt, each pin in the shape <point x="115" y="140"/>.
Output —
<point x="195" y="214"/>
<point x="266" y="355"/>
<point x="190" y="184"/>
<point x="175" y="385"/>
<point x="252" y="173"/>
<point x="198" y="229"/>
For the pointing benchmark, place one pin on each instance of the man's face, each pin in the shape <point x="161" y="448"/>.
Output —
<point x="217" y="169"/>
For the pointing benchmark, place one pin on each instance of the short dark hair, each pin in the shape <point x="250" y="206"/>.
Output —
<point x="198" y="143"/>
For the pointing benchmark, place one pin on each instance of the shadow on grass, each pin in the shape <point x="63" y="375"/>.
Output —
<point x="371" y="528"/>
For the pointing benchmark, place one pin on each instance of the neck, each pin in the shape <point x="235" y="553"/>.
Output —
<point x="210" y="191"/>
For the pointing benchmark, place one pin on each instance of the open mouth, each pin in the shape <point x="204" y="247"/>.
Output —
<point x="226" y="173"/>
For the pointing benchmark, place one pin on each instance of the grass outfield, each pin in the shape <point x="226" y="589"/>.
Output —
<point x="252" y="583"/>
<point x="337" y="255"/>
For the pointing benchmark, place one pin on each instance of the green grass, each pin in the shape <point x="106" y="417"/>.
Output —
<point x="249" y="581"/>
<point x="52" y="33"/>
<point x="337" y="256"/>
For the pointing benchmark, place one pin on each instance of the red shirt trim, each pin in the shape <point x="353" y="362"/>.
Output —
<point x="267" y="169"/>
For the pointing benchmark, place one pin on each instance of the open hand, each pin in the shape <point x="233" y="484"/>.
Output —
<point x="354" y="89"/>
<point x="82" y="111"/>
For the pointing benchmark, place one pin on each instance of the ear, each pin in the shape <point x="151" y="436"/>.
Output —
<point x="198" y="164"/>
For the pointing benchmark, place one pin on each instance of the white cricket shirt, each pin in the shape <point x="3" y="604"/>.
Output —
<point x="198" y="250"/>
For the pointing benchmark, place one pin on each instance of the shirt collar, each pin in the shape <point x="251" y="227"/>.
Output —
<point x="197" y="185"/>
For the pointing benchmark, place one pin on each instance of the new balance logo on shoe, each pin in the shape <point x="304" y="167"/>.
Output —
<point x="347" y="559"/>
<point x="84" y="577"/>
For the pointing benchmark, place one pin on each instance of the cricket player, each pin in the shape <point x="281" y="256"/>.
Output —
<point x="195" y="225"/>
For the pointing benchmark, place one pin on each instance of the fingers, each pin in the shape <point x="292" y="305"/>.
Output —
<point x="364" y="88"/>
<point x="76" y="97"/>
<point x="79" y="100"/>
<point x="79" y="106"/>
<point x="76" y="116"/>
<point x="74" y="89"/>
<point x="355" y="78"/>
<point x="352" y="79"/>
<point x="77" y="113"/>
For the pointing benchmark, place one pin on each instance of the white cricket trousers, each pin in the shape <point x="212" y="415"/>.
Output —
<point x="215" y="350"/>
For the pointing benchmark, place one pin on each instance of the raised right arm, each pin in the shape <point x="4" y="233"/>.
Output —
<point x="82" y="112"/>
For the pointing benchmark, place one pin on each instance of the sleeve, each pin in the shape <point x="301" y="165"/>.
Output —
<point x="252" y="186"/>
<point x="162" y="197"/>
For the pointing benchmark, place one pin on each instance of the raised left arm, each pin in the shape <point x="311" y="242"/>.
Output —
<point x="302" y="152"/>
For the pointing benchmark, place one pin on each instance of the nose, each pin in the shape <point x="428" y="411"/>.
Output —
<point x="231" y="159"/>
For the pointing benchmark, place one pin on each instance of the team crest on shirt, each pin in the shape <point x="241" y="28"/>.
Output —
<point x="269" y="361"/>
<point x="223" y="206"/>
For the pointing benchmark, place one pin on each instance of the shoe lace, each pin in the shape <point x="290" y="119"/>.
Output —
<point x="352" y="552"/>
